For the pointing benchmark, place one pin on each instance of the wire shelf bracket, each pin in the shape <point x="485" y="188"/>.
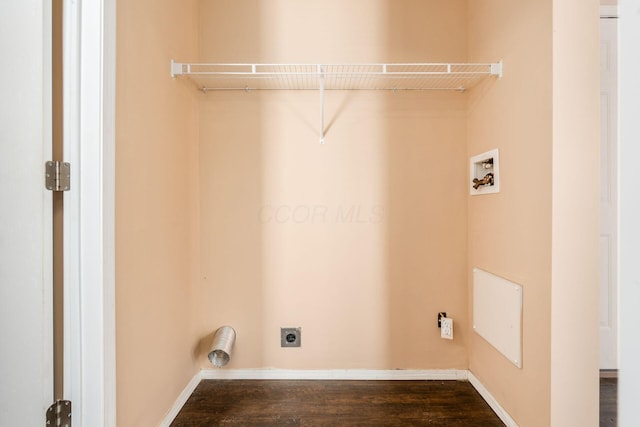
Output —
<point x="323" y="77"/>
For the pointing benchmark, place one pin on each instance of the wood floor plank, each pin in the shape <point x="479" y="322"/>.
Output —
<point x="334" y="403"/>
<point x="608" y="402"/>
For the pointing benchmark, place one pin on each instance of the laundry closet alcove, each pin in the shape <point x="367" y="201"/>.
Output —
<point x="230" y="210"/>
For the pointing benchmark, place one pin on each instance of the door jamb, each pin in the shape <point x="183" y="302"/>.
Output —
<point x="89" y="245"/>
<point x="608" y="11"/>
<point x="611" y="11"/>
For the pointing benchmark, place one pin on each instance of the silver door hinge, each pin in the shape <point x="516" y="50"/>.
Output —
<point x="59" y="414"/>
<point x="57" y="176"/>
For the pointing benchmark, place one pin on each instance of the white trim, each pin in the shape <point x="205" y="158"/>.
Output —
<point x="89" y="116"/>
<point x="609" y="11"/>
<point x="333" y="374"/>
<point x="491" y="401"/>
<point x="629" y="211"/>
<point x="71" y="107"/>
<point x="181" y="400"/>
<point x="108" y="207"/>
<point x="337" y="374"/>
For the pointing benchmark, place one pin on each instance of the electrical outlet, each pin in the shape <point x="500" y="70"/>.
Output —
<point x="290" y="337"/>
<point x="446" y="331"/>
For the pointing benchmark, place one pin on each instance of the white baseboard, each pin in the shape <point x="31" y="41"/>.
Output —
<point x="337" y="374"/>
<point x="491" y="401"/>
<point x="180" y="401"/>
<point x="334" y="374"/>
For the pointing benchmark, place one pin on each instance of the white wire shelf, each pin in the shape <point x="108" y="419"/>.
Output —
<point x="416" y="76"/>
<point x="322" y="77"/>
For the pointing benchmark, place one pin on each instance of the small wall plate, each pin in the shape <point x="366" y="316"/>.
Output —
<point x="290" y="337"/>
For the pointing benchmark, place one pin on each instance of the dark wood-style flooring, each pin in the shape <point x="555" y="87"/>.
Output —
<point x="608" y="402"/>
<point x="351" y="403"/>
<point x="336" y="403"/>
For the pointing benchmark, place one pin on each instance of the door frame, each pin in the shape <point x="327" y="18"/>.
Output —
<point x="628" y="226"/>
<point x="607" y="12"/>
<point x="89" y="43"/>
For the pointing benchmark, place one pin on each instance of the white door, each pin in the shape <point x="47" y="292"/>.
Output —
<point x="26" y="368"/>
<point x="608" y="194"/>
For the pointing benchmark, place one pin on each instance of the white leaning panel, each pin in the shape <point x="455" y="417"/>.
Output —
<point x="497" y="313"/>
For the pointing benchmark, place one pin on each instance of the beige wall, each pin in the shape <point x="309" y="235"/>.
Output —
<point x="543" y="116"/>
<point x="360" y="241"/>
<point x="156" y="209"/>
<point x="510" y="232"/>
<point x="575" y="214"/>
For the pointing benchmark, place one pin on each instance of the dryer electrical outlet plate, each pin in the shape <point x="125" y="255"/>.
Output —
<point x="290" y="337"/>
